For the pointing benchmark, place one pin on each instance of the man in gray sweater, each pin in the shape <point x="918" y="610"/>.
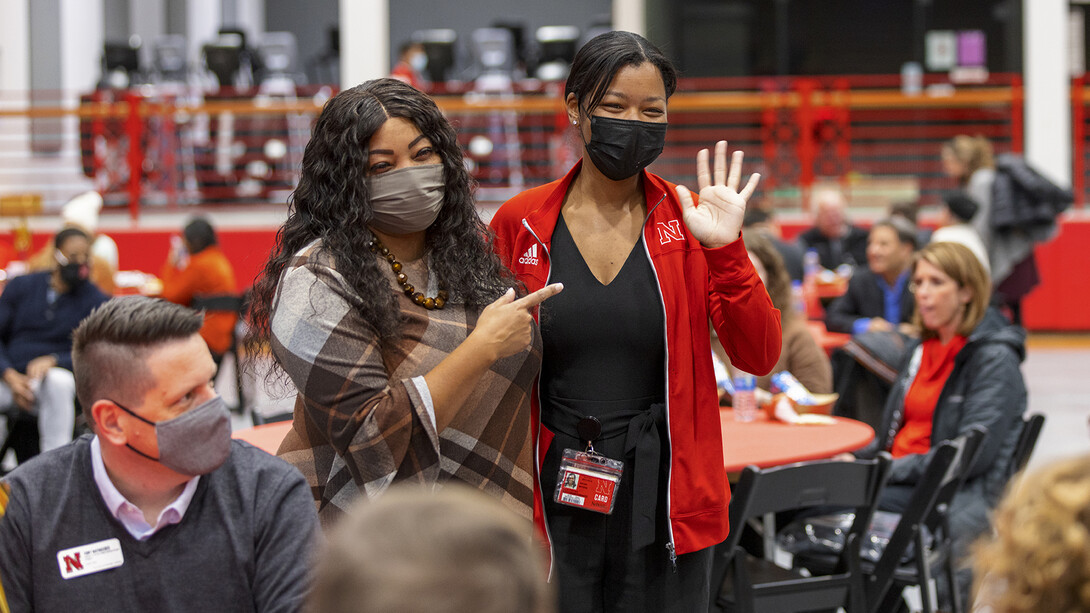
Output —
<point x="160" y="510"/>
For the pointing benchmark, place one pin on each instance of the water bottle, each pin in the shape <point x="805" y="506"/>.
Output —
<point x="811" y="270"/>
<point x="911" y="79"/>
<point x="811" y="266"/>
<point x="798" y="297"/>
<point x="745" y="397"/>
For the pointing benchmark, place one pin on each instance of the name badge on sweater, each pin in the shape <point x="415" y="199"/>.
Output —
<point x="90" y="558"/>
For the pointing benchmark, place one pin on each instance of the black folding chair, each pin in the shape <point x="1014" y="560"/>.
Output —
<point x="927" y="515"/>
<point x="741" y="582"/>
<point x="1027" y="440"/>
<point x="21" y="434"/>
<point x="921" y="546"/>
<point x="227" y="303"/>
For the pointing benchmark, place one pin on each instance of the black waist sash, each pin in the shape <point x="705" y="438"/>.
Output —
<point x="642" y="429"/>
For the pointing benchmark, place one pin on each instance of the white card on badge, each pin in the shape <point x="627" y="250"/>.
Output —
<point x="90" y="558"/>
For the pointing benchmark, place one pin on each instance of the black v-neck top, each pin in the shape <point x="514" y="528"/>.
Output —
<point x="602" y="342"/>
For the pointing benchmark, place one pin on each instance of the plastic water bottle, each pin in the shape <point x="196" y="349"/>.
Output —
<point x="745" y="397"/>
<point x="911" y="79"/>
<point x="811" y="266"/>
<point x="811" y="270"/>
<point x="798" y="297"/>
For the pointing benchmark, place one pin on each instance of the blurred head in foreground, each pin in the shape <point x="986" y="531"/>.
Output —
<point x="452" y="551"/>
<point x="1039" y="559"/>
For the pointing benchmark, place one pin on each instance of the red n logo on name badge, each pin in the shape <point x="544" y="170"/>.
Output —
<point x="72" y="563"/>
<point x="670" y="231"/>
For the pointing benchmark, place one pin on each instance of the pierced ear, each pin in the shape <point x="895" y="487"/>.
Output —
<point x="572" y="104"/>
<point x="105" y="414"/>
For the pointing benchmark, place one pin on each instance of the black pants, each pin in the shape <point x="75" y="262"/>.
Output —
<point x="595" y="569"/>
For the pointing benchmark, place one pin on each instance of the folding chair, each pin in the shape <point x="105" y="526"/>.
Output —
<point x="921" y="545"/>
<point x="227" y="303"/>
<point x="1027" y="440"/>
<point x="741" y="582"/>
<point x="20" y="434"/>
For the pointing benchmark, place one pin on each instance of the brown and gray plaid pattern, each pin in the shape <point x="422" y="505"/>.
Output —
<point x="361" y="424"/>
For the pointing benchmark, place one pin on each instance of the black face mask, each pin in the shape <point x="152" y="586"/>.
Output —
<point x="620" y="148"/>
<point x="73" y="274"/>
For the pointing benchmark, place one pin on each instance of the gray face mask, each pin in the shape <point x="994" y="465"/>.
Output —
<point x="196" y="442"/>
<point x="406" y="200"/>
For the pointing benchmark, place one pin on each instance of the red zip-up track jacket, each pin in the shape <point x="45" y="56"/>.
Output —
<point x="695" y="283"/>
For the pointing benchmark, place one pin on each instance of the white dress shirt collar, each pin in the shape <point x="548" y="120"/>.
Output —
<point x="129" y="514"/>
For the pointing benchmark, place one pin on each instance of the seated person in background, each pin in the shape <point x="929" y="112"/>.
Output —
<point x="761" y="220"/>
<point x="197" y="268"/>
<point x="835" y="239"/>
<point x="454" y="550"/>
<point x="1042" y="523"/>
<point x="876" y="309"/>
<point x="800" y="354"/>
<point x="955" y="227"/>
<point x="81" y="213"/>
<point x="38" y="312"/>
<point x="964" y="373"/>
<point x="160" y="510"/>
<point x="878" y="298"/>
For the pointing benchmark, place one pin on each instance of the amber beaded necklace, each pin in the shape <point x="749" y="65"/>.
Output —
<point x="419" y="298"/>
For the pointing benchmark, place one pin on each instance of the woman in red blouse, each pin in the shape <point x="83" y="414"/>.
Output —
<point x="964" y="373"/>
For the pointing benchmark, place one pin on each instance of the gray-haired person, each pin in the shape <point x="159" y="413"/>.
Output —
<point x="158" y="510"/>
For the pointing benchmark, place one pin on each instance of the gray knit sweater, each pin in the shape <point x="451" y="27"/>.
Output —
<point x="243" y="545"/>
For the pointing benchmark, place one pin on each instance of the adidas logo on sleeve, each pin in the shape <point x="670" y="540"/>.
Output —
<point x="530" y="257"/>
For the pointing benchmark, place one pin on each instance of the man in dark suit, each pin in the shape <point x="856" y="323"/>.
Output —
<point x="835" y="239"/>
<point x="875" y="309"/>
<point x="878" y="297"/>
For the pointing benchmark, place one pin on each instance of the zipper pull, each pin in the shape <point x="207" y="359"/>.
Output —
<point x="673" y="556"/>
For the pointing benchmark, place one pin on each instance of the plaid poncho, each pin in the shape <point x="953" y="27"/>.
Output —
<point x="361" y="421"/>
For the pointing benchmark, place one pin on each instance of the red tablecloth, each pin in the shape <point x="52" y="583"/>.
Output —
<point x="265" y="436"/>
<point x="766" y="443"/>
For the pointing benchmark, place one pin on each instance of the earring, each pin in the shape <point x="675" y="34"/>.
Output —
<point x="574" y="122"/>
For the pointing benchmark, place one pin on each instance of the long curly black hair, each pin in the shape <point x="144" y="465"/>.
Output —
<point x="331" y="203"/>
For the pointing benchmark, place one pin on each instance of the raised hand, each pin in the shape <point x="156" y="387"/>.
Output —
<point x="717" y="220"/>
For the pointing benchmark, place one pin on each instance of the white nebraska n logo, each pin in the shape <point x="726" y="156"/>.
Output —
<point x="670" y="231"/>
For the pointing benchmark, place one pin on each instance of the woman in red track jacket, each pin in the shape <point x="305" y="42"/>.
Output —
<point x="627" y="359"/>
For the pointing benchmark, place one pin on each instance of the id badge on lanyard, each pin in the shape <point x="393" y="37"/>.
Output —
<point x="587" y="479"/>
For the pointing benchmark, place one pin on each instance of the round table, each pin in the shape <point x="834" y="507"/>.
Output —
<point x="766" y="442"/>
<point x="266" y="436"/>
<point x="762" y="442"/>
